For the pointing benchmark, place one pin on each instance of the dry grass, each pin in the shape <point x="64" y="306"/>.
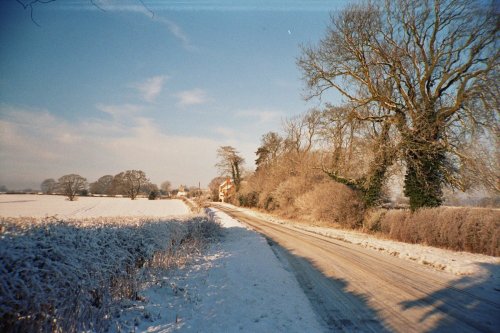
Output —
<point x="372" y="219"/>
<point x="474" y="230"/>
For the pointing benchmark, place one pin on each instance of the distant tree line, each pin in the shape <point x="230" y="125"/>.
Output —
<point x="129" y="183"/>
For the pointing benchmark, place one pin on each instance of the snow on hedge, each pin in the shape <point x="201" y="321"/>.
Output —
<point x="71" y="275"/>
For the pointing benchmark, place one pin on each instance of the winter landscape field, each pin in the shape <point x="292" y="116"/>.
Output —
<point x="57" y="205"/>
<point x="249" y="166"/>
<point x="70" y="265"/>
<point x="142" y="265"/>
<point x="100" y="264"/>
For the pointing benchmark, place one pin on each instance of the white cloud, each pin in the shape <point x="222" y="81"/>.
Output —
<point x="226" y="132"/>
<point x="192" y="97"/>
<point x="152" y="87"/>
<point x="177" y="31"/>
<point x="119" y="111"/>
<point x="122" y="6"/>
<point x="35" y="145"/>
<point x="262" y="115"/>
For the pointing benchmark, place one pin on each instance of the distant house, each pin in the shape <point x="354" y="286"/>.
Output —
<point x="226" y="190"/>
<point x="182" y="191"/>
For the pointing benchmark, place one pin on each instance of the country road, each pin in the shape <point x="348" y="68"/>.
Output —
<point x="354" y="289"/>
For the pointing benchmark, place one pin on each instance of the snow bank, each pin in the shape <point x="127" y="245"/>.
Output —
<point x="458" y="263"/>
<point x="239" y="286"/>
<point x="50" y="205"/>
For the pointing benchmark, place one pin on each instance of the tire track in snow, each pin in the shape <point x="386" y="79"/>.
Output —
<point x="344" y="282"/>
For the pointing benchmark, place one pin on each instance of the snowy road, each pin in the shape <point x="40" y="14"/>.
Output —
<point x="356" y="289"/>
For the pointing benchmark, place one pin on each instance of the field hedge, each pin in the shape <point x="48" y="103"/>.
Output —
<point x="469" y="229"/>
<point x="70" y="276"/>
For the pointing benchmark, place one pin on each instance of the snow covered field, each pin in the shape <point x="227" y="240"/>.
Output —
<point x="14" y="205"/>
<point x="239" y="285"/>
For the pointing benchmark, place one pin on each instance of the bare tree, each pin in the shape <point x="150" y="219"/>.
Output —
<point x="230" y="163"/>
<point x="301" y="131"/>
<point x="360" y="152"/>
<point x="427" y="68"/>
<point x="70" y="185"/>
<point x="166" y="187"/>
<point x="300" y="137"/>
<point x="104" y="185"/>
<point x="194" y="191"/>
<point x="48" y="186"/>
<point x="270" y="148"/>
<point x="30" y="4"/>
<point x="130" y="182"/>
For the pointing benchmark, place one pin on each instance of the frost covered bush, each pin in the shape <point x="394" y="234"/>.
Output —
<point x="332" y="202"/>
<point x="67" y="276"/>
<point x="287" y="192"/>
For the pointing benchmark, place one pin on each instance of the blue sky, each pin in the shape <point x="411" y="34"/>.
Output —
<point x="156" y="87"/>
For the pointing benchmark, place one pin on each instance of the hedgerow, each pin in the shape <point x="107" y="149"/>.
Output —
<point x="70" y="276"/>
<point x="468" y="229"/>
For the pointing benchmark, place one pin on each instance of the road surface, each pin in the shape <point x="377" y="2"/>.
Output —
<point x="354" y="289"/>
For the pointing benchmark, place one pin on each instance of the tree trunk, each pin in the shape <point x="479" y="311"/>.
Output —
<point x="369" y="187"/>
<point x="372" y="185"/>
<point x="237" y="181"/>
<point x="425" y="160"/>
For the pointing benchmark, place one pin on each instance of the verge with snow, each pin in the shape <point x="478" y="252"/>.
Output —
<point x="239" y="285"/>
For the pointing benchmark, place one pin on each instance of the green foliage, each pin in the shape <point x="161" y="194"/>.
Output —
<point x="369" y="190"/>
<point x="373" y="193"/>
<point x="423" y="180"/>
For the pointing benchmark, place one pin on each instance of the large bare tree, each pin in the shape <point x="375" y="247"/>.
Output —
<point x="131" y="182"/>
<point x="428" y="69"/>
<point x="72" y="184"/>
<point x="230" y="163"/>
